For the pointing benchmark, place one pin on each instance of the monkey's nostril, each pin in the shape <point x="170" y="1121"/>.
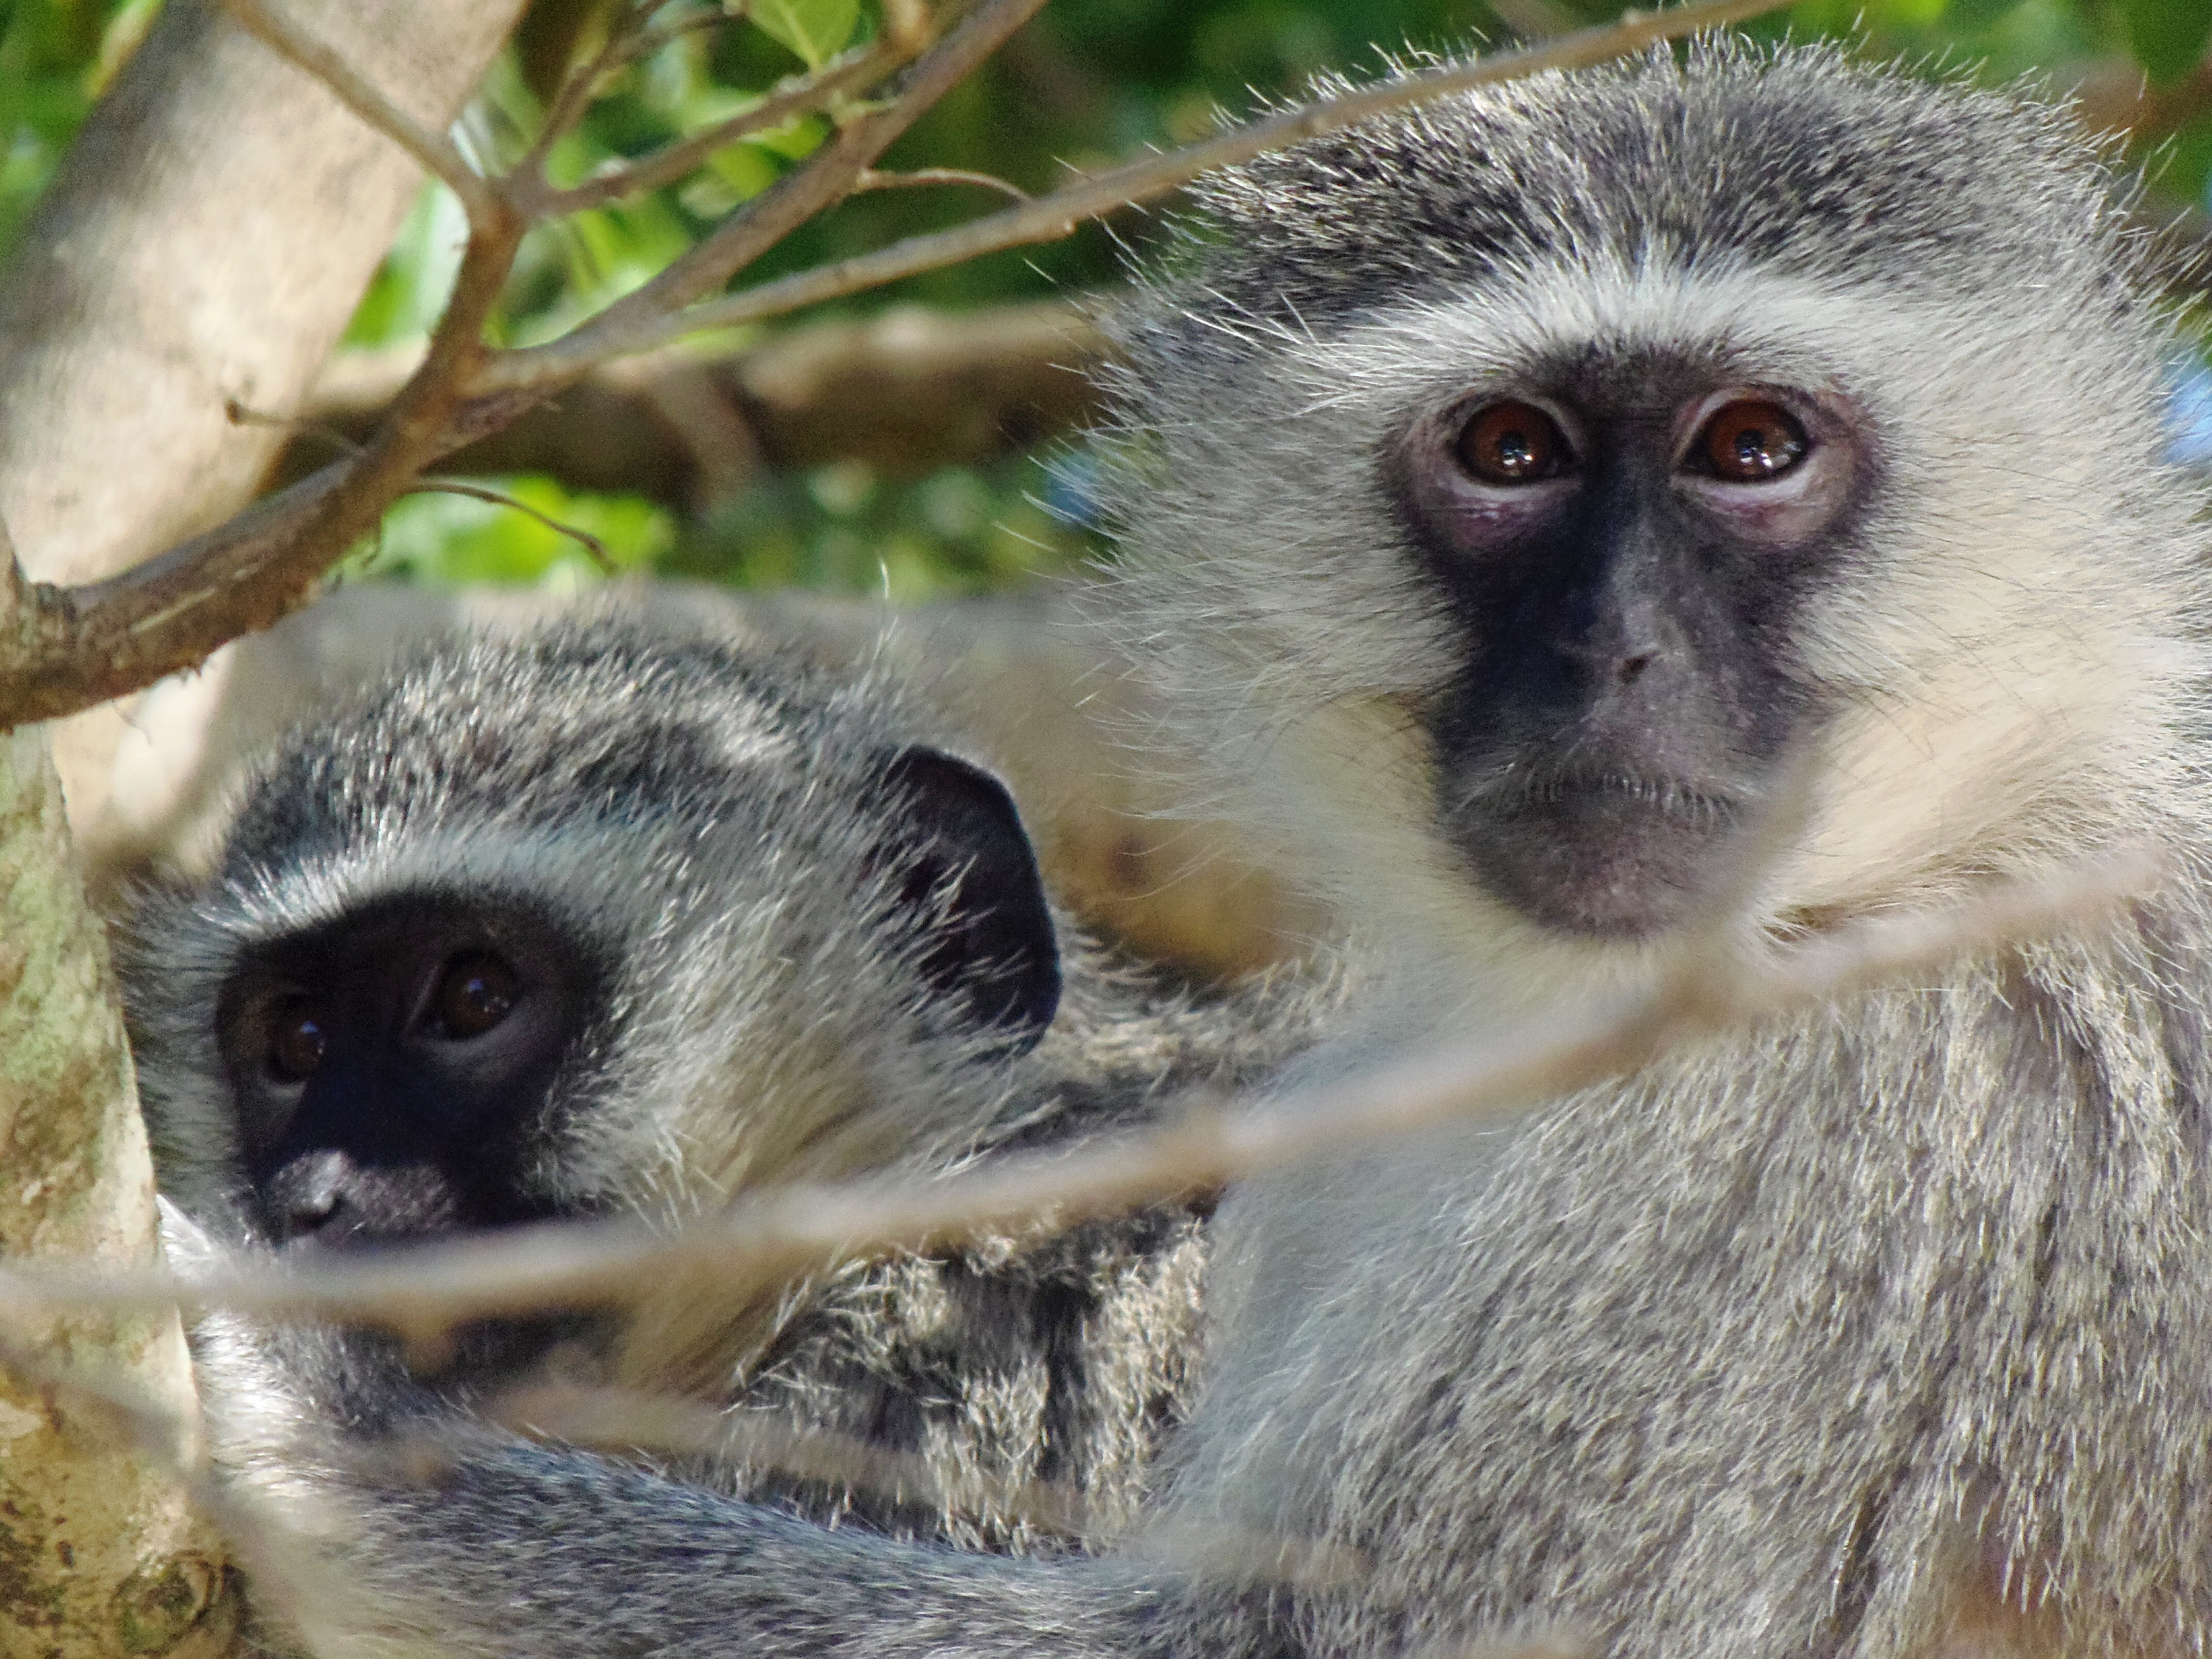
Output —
<point x="309" y="1214"/>
<point x="1632" y="668"/>
<point x="309" y="1194"/>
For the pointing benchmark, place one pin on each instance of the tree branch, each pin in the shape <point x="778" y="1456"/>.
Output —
<point x="421" y="1292"/>
<point x="86" y="644"/>
<point x="99" y="641"/>
<point x="800" y="97"/>
<point x="920" y="177"/>
<point x="825" y="178"/>
<point x="908" y="390"/>
<point x="629" y="327"/>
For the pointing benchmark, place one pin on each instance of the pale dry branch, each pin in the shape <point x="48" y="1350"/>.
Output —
<point x="421" y="1290"/>
<point x="627" y="328"/>
<point x="917" y="178"/>
<point x="431" y="150"/>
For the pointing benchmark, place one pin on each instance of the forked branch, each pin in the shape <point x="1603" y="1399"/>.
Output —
<point x="1051" y="217"/>
<point x="77" y="647"/>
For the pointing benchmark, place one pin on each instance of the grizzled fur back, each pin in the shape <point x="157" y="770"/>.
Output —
<point x="706" y="820"/>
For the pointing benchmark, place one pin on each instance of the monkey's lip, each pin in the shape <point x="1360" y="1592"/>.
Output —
<point x="1606" y="790"/>
<point x="1602" y="852"/>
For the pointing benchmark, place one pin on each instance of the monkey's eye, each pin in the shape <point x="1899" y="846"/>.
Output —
<point x="296" y="1040"/>
<point x="1513" y="443"/>
<point x="1749" y="442"/>
<point x="475" y="991"/>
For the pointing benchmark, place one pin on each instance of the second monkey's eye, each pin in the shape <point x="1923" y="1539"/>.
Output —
<point x="1749" y="442"/>
<point x="1512" y="443"/>
<point x="296" y="1040"/>
<point x="474" y="992"/>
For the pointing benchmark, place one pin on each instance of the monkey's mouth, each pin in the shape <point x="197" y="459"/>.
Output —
<point x="1609" y="851"/>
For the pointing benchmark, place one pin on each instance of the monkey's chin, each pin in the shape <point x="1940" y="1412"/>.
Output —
<point x="1598" y="860"/>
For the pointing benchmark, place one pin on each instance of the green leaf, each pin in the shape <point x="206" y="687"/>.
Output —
<point x="2167" y="36"/>
<point x="816" y="29"/>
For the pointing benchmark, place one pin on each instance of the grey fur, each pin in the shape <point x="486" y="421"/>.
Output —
<point x="1850" y="1335"/>
<point x="1881" y="1330"/>
<point x="710" y="818"/>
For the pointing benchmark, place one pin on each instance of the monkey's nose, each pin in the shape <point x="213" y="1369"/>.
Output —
<point x="306" y="1194"/>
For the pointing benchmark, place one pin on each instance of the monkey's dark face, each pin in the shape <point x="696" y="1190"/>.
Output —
<point x="391" y="1069"/>
<point x="1623" y="550"/>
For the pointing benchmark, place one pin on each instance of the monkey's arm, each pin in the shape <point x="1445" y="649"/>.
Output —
<point x="514" y="1550"/>
<point x="385" y="1519"/>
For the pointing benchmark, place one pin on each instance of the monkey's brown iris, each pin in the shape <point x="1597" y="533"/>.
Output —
<point x="1513" y="444"/>
<point x="474" y="993"/>
<point x="296" y="1039"/>
<point x="1751" y="442"/>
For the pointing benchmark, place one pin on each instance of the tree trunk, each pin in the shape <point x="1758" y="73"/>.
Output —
<point x="98" y="1554"/>
<point x="205" y="240"/>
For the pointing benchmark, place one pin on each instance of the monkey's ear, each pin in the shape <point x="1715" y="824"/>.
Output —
<point x="969" y="877"/>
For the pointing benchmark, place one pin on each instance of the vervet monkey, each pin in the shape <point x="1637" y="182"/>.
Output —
<point x="602" y="921"/>
<point x="1515" y="488"/>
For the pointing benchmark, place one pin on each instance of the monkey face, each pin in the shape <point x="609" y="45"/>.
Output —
<point x="1623" y="547"/>
<point x="1506" y="487"/>
<point x="594" y="920"/>
<point x="391" y="1069"/>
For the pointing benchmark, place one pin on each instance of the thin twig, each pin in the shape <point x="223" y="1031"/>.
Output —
<point x="527" y="180"/>
<point x="803" y="96"/>
<point x="436" y="155"/>
<point x="628" y="328"/>
<point x="239" y="414"/>
<point x="872" y="179"/>
<point x="421" y="1290"/>
<point x="823" y="180"/>
<point x="594" y="547"/>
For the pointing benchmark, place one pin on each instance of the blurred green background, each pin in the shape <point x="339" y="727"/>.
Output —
<point x="1091" y="81"/>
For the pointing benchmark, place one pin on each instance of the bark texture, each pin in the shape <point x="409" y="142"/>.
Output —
<point x="205" y="238"/>
<point x="99" y="1554"/>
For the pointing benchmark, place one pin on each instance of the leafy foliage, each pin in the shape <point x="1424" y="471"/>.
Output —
<point x="1092" y="81"/>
